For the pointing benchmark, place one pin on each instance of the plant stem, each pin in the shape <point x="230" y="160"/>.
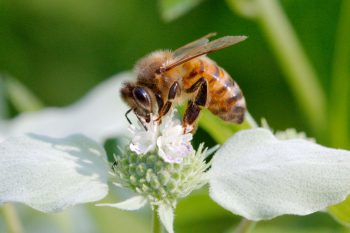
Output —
<point x="22" y="98"/>
<point x="245" y="226"/>
<point x="340" y="86"/>
<point x="284" y="42"/>
<point x="299" y="72"/>
<point x="3" y="104"/>
<point x="251" y="121"/>
<point x="220" y="130"/>
<point x="11" y="219"/>
<point x="156" y="225"/>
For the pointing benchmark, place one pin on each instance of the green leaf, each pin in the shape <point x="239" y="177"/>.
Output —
<point x="112" y="146"/>
<point x="339" y="108"/>
<point x="173" y="9"/>
<point x="341" y="212"/>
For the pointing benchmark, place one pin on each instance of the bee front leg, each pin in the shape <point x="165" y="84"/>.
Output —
<point x="193" y="108"/>
<point x="126" y="115"/>
<point x="147" y="118"/>
<point x="174" y="89"/>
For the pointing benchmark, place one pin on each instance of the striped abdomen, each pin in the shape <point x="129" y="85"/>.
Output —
<point x="225" y="98"/>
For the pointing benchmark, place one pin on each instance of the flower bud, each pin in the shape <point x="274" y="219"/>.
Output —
<point x="161" y="182"/>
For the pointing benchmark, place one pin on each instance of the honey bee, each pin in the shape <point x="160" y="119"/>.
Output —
<point x="165" y="78"/>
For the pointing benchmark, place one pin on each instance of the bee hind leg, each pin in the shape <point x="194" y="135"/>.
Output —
<point x="193" y="109"/>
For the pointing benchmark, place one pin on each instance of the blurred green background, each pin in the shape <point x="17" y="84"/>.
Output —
<point x="61" y="49"/>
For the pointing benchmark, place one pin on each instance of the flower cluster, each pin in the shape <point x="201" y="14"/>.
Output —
<point x="160" y="165"/>
<point x="159" y="181"/>
<point x="167" y="139"/>
<point x="255" y="173"/>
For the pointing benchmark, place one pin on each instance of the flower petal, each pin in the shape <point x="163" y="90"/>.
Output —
<point x="166" y="216"/>
<point x="260" y="177"/>
<point x="99" y="115"/>
<point x="51" y="174"/>
<point x="143" y="140"/>
<point x="133" y="203"/>
<point x="173" y="144"/>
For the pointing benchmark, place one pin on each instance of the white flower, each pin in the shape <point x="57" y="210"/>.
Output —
<point x="289" y="133"/>
<point x="142" y="140"/>
<point x="169" y="138"/>
<point x="292" y="134"/>
<point x="158" y="182"/>
<point x="254" y="174"/>
<point x="164" y="168"/>
<point x="259" y="176"/>
<point x="173" y="144"/>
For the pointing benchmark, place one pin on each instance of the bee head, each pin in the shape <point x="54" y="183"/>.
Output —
<point x="139" y="98"/>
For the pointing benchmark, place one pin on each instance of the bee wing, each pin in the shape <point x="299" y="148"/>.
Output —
<point x="194" y="44"/>
<point x="201" y="49"/>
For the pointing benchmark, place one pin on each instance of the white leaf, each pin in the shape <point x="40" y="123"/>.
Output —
<point x="98" y="115"/>
<point x="260" y="177"/>
<point x="166" y="216"/>
<point x="133" y="203"/>
<point x="51" y="174"/>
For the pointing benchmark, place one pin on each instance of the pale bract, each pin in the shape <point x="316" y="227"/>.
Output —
<point x="98" y="115"/>
<point x="258" y="176"/>
<point x="51" y="174"/>
<point x="45" y="166"/>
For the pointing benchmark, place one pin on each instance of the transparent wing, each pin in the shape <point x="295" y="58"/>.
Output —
<point x="202" y="48"/>
<point x="194" y="44"/>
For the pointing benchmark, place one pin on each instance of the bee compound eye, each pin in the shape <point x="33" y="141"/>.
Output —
<point x="142" y="97"/>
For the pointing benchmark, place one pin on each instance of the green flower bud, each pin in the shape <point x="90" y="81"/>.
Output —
<point x="160" y="181"/>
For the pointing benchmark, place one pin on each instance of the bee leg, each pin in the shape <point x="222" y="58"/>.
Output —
<point x="174" y="89"/>
<point x="196" y="85"/>
<point x="160" y="102"/>
<point x="190" y="116"/>
<point x="126" y="115"/>
<point x="143" y="124"/>
<point x="193" y="108"/>
<point x="138" y="118"/>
